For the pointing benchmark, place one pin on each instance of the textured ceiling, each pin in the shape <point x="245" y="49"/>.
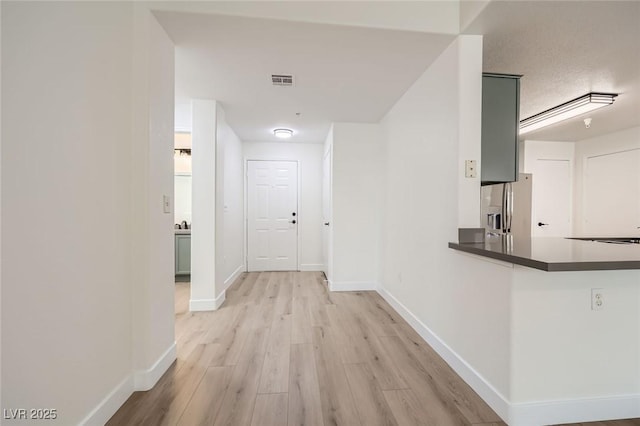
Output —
<point x="565" y="50"/>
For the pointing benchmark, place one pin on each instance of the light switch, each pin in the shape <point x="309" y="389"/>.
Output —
<point x="166" y="204"/>
<point x="470" y="168"/>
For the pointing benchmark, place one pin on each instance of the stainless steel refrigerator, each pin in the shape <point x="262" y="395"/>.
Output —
<point x="506" y="207"/>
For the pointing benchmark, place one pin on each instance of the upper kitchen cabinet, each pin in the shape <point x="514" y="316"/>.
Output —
<point x="500" y="122"/>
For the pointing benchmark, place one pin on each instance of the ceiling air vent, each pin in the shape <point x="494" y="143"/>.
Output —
<point x="282" y="80"/>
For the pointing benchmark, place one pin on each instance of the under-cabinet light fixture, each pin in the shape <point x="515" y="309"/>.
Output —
<point x="573" y="108"/>
<point x="283" y="133"/>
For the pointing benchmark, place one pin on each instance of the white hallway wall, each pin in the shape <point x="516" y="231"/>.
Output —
<point x="0" y="209"/>
<point x="358" y="176"/>
<point x="66" y="274"/>
<point x="458" y="302"/>
<point x="217" y="248"/>
<point x="230" y="203"/>
<point x="87" y="315"/>
<point x="502" y="328"/>
<point x="309" y="157"/>
<point x="203" y="198"/>
<point x="152" y="233"/>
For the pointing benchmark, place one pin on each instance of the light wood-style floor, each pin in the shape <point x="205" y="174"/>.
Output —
<point x="284" y="351"/>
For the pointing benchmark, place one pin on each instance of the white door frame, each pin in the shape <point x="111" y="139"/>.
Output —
<point x="327" y="251"/>
<point x="246" y="207"/>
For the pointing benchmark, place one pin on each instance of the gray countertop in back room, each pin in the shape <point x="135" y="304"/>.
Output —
<point x="556" y="254"/>
<point x="182" y="231"/>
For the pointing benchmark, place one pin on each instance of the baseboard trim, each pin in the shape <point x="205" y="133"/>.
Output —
<point x="352" y="285"/>
<point x="218" y="301"/>
<point x="196" y="305"/>
<point x="146" y="379"/>
<point x="110" y="404"/>
<point x="311" y="267"/>
<point x="521" y="414"/>
<point x="138" y="381"/>
<point x="486" y="391"/>
<point x="232" y="278"/>
<point x="575" y="411"/>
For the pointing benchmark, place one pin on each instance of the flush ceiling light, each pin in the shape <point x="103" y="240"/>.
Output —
<point x="567" y="110"/>
<point x="283" y="133"/>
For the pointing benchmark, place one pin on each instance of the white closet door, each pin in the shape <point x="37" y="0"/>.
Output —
<point x="612" y="194"/>
<point x="552" y="195"/>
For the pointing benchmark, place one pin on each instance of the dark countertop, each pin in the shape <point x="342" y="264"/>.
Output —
<point x="556" y="254"/>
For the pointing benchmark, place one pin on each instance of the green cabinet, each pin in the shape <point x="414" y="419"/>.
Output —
<point x="183" y="254"/>
<point x="500" y="128"/>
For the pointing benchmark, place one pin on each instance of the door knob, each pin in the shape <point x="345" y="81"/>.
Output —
<point x="293" y="221"/>
<point x="542" y="224"/>
<point x="326" y="224"/>
<point x="293" y="214"/>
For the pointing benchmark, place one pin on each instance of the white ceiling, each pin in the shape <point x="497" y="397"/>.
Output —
<point x="432" y="16"/>
<point x="342" y="73"/>
<point x="563" y="49"/>
<point x="566" y="49"/>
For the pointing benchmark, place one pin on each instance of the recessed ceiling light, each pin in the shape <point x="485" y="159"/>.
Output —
<point x="283" y="133"/>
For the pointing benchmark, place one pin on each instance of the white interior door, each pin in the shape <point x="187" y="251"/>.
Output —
<point x="612" y="194"/>
<point x="272" y="215"/>
<point x="551" y="198"/>
<point x="326" y="213"/>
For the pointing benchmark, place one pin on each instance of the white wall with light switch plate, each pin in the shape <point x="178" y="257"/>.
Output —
<point x="89" y="181"/>
<point x="545" y="361"/>
<point x="470" y="170"/>
<point x="469" y="99"/>
<point x="461" y="301"/>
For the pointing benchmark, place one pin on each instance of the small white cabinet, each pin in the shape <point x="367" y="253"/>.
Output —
<point x="183" y="254"/>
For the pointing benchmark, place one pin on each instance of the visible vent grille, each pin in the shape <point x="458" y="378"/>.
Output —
<point x="282" y="80"/>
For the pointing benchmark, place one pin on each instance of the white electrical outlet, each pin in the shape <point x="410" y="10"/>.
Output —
<point x="470" y="168"/>
<point x="597" y="299"/>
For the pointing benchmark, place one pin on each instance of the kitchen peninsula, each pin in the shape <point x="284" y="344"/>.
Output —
<point x="557" y="254"/>
<point x="569" y="357"/>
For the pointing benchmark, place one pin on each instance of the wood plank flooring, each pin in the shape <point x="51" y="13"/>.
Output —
<point x="282" y="350"/>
